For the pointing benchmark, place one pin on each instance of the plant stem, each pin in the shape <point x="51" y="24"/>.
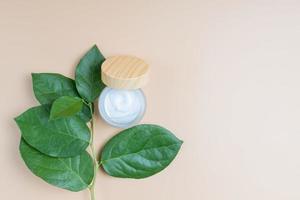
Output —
<point x="92" y="192"/>
<point x="92" y="149"/>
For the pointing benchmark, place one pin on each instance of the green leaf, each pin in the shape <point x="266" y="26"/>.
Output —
<point x="140" y="151"/>
<point x="88" y="75"/>
<point x="59" y="138"/>
<point x="65" y="106"/>
<point x="74" y="173"/>
<point x="85" y="114"/>
<point x="48" y="87"/>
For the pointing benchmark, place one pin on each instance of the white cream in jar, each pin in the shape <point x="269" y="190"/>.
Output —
<point x="122" y="108"/>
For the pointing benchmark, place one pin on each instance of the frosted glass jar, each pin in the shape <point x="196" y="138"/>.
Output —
<point x="122" y="108"/>
<point x="122" y="103"/>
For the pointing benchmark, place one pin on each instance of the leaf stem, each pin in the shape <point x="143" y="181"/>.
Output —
<point x="92" y="192"/>
<point x="88" y="104"/>
<point x="92" y="149"/>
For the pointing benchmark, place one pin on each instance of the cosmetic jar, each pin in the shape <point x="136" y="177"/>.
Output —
<point x="122" y="103"/>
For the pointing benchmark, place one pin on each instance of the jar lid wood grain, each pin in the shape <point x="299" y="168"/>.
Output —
<point x="124" y="72"/>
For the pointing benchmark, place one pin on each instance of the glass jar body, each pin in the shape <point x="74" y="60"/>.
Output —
<point x="122" y="108"/>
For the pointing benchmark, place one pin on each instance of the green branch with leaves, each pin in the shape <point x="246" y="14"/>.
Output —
<point x="57" y="136"/>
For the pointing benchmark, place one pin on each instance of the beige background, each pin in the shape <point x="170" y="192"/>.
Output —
<point x="224" y="78"/>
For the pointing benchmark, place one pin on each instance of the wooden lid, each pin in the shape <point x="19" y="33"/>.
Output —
<point x="124" y="72"/>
